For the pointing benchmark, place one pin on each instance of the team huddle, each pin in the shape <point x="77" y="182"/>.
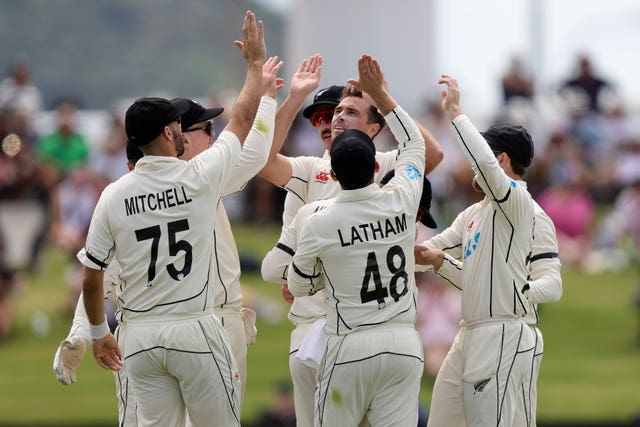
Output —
<point x="161" y="248"/>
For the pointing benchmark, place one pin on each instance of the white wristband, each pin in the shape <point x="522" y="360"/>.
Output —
<point x="99" y="331"/>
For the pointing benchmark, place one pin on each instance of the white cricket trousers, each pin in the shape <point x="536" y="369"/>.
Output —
<point x="181" y="366"/>
<point x="303" y="378"/>
<point x="373" y="372"/>
<point x="231" y="319"/>
<point x="484" y="377"/>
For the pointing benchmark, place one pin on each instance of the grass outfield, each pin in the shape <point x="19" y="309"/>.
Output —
<point x="590" y="371"/>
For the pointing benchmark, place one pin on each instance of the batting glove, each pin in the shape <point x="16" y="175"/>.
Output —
<point x="68" y="357"/>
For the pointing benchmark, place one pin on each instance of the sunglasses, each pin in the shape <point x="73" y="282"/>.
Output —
<point x="321" y="116"/>
<point x="208" y="128"/>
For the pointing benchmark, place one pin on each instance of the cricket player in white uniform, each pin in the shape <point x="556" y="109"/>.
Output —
<point x="544" y="285"/>
<point x="307" y="179"/>
<point x="238" y="322"/>
<point x="309" y="312"/>
<point x="157" y="222"/>
<point x="490" y="363"/>
<point x="361" y="249"/>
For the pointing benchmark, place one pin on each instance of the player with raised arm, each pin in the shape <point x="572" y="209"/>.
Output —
<point x="365" y="237"/>
<point x="157" y="222"/>
<point x="544" y="285"/>
<point x="238" y="322"/>
<point x="489" y="365"/>
<point x="307" y="179"/>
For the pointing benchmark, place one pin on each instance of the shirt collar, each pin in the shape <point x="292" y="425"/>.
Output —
<point x="359" y="194"/>
<point x="155" y="162"/>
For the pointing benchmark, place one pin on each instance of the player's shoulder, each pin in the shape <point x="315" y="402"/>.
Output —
<point x="314" y="207"/>
<point x="541" y="216"/>
<point x="116" y="187"/>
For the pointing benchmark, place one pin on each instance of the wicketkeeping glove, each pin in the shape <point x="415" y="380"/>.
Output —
<point x="249" y="322"/>
<point x="68" y="357"/>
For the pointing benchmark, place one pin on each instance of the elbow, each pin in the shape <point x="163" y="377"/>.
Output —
<point x="558" y="294"/>
<point x="433" y="159"/>
<point x="269" y="272"/>
<point x="296" y="291"/>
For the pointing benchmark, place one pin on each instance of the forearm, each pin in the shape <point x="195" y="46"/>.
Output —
<point x="93" y="296"/>
<point x="383" y="101"/>
<point x="276" y="263"/>
<point x="546" y="283"/>
<point x="491" y="177"/>
<point x="434" y="152"/>
<point x="284" y="119"/>
<point x="80" y="324"/>
<point x="451" y="270"/>
<point x="256" y="147"/>
<point x="246" y="105"/>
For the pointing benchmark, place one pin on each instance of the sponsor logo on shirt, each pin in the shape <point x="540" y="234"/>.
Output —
<point x="322" y="176"/>
<point x="472" y="245"/>
<point x="413" y="173"/>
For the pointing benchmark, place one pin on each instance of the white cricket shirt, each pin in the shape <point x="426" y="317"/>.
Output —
<point x="361" y="247"/>
<point x="544" y="280"/>
<point x="493" y="237"/>
<point x="253" y="157"/>
<point x="158" y="222"/>
<point x="311" y="179"/>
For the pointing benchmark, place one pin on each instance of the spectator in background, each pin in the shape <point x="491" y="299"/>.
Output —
<point x="110" y="162"/>
<point x="571" y="208"/>
<point x="74" y="200"/>
<point x="515" y="82"/>
<point x="623" y="221"/>
<point x="17" y="92"/>
<point x="64" y="148"/>
<point x="587" y="84"/>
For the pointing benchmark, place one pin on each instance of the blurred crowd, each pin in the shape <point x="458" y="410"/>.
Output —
<point x="586" y="176"/>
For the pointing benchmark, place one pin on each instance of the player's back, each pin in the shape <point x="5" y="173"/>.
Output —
<point x="366" y="240"/>
<point x="162" y="216"/>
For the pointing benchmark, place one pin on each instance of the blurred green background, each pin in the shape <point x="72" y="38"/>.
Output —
<point x="590" y="371"/>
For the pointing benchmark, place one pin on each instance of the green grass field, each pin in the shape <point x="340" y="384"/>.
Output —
<point x="590" y="371"/>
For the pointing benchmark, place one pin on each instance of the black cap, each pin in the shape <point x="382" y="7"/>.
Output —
<point x="133" y="153"/>
<point x="196" y="112"/>
<point x="425" y="199"/>
<point x="146" y="118"/>
<point x="511" y="139"/>
<point x="353" y="159"/>
<point x="328" y="96"/>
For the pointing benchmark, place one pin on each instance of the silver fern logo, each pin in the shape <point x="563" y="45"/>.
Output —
<point x="478" y="386"/>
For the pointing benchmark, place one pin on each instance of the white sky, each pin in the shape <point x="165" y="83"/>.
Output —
<point x="477" y="38"/>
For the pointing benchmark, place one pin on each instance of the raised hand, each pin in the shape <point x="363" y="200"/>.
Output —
<point x="271" y="81"/>
<point x="450" y="96"/>
<point x="307" y="78"/>
<point x="252" y="45"/>
<point x="373" y="83"/>
<point x="371" y="79"/>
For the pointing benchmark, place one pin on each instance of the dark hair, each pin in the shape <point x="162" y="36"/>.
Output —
<point x="374" y="115"/>
<point x="353" y="159"/>
<point x="518" y="169"/>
